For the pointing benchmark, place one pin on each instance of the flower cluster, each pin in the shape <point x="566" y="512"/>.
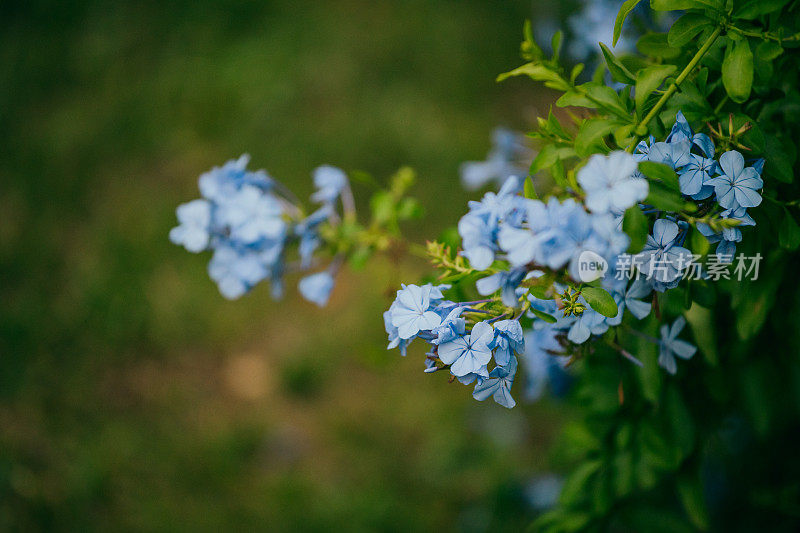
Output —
<point x="459" y="341"/>
<point x="249" y="220"/>
<point x="724" y="186"/>
<point x="551" y="265"/>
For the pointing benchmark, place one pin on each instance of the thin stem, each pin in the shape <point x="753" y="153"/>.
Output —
<point x="721" y="104"/>
<point x="766" y="36"/>
<point x="642" y="335"/>
<point x="624" y="353"/>
<point x="641" y="128"/>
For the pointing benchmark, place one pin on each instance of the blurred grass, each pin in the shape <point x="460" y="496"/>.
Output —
<point x="132" y="396"/>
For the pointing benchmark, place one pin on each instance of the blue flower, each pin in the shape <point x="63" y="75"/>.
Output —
<point x="412" y="312"/>
<point x="494" y="208"/>
<point x="508" y="281"/>
<point x="510" y="156"/>
<point x="662" y="260"/>
<point x="589" y="323"/>
<point x="195" y="226"/>
<point x="671" y="345"/>
<point x="521" y="244"/>
<point x="451" y="327"/>
<point x="633" y="298"/>
<point x="236" y="271"/>
<point x="737" y="186"/>
<point x="610" y="183"/>
<point x="317" y="288"/>
<point x="308" y="232"/>
<point x="394" y="338"/>
<point x="220" y="183"/>
<point x="674" y="154"/>
<point x="508" y="339"/>
<point x="477" y="240"/>
<point x="696" y="174"/>
<point x="329" y="181"/>
<point x="541" y="365"/>
<point x="468" y="353"/>
<point x="252" y="216"/>
<point x="498" y="385"/>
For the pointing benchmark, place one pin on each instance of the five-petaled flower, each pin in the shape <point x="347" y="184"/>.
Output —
<point x="469" y="353"/>
<point x="737" y="186"/>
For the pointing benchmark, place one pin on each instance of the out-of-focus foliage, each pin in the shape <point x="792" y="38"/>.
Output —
<point x="132" y="396"/>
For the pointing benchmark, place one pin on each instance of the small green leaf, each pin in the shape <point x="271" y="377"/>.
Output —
<point x="690" y="490"/>
<point x="591" y="135"/>
<point x="686" y="28"/>
<point x="555" y="42"/>
<point x="664" y="198"/>
<point x="575" y="99"/>
<point x="527" y="188"/>
<point x="661" y="172"/>
<point x="615" y="66"/>
<point x="671" y="5"/>
<point x="750" y="9"/>
<point x="538" y="72"/>
<point x="550" y="319"/>
<point x="634" y="223"/>
<point x="599" y="300"/>
<point x="789" y="232"/>
<point x="626" y="8"/>
<point x="768" y="50"/>
<point x="656" y="45"/>
<point x="576" y="71"/>
<point x="737" y="70"/>
<point x="698" y="243"/>
<point x="607" y="99"/>
<point x="648" y="80"/>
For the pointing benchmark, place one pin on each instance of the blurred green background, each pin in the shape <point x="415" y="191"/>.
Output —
<point x="132" y="395"/>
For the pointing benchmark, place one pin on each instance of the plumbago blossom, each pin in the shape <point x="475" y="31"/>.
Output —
<point x="723" y="187"/>
<point x="251" y="223"/>
<point x="510" y="154"/>
<point x="553" y="271"/>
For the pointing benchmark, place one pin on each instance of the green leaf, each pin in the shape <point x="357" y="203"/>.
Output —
<point x="615" y="66"/>
<point x="780" y="159"/>
<point x="656" y="45"/>
<point x="550" y="319"/>
<point x="661" y="172"/>
<point x="698" y="243"/>
<point x="671" y="5"/>
<point x="538" y="72"/>
<point x="686" y="28"/>
<point x="575" y="99"/>
<point x="648" y="80"/>
<point x="750" y="9"/>
<point x="591" y="135"/>
<point x="575" y="485"/>
<point x="555" y="43"/>
<point x="599" y="300"/>
<point x="635" y="224"/>
<point x="607" y="99"/>
<point x="789" y="232"/>
<point x="528" y="190"/>
<point x="690" y="490"/>
<point x="529" y="49"/>
<point x="737" y="70"/>
<point x="768" y="50"/>
<point x="664" y="198"/>
<point x="626" y="8"/>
